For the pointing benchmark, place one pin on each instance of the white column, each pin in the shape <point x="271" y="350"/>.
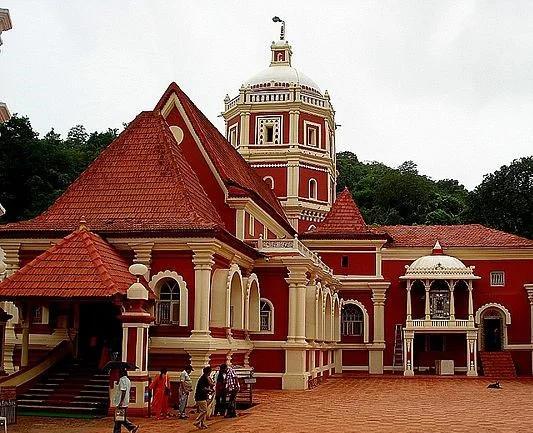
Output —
<point x="409" y="302"/>
<point x="408" y="353"/>
<point x="470" y="304"/>
<point x="427" y="310"/>
<point x="25" y="335"/>
<point x="452" y="300"/>
<point x="471" y="353"/>
<point x="310" y="310"/>
<point x="297" y="281"/>
<point x="203" y="260"/>
<point x="375" y="356"/>
<point x="143" y="255"/>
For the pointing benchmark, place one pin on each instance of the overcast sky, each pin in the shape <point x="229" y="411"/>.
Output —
<point x="447" y="84"/>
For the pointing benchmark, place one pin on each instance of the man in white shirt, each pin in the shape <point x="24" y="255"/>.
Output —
<point x="122" y="400"/>
<point x="184" y="390"/>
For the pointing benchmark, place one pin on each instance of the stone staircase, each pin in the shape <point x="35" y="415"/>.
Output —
<point x="68" y="390"/>
<point x="498" y="365"/>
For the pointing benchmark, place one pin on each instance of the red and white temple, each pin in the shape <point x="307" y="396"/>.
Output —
<point x="251" y="259"/>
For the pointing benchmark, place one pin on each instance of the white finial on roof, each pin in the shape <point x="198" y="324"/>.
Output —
<point x="282" y="32"/>
<point x="437" y="249"/>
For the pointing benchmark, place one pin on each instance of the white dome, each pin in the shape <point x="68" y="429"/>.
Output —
<point x="436" y="262"/>
<point x="282" y="74"/>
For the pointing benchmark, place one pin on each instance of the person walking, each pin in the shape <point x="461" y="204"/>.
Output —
<point x="220" y="391"/>
<point x="184" y="389"/>
<point x="232" y="388"/>
<point x="122" y="401"/>
<point x="201" y="396"/>
<point x="160" y="387"/>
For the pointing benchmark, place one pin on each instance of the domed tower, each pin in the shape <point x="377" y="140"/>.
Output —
<point x="284" y="126"/>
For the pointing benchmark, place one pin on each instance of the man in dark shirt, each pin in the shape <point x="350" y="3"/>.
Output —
<point x="201" y="396"/>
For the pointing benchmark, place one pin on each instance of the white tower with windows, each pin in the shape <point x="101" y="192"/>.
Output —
<point x="284" y="126"/>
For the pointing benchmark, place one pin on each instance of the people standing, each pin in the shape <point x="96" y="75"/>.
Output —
<point x="220" y="391"/>
<point x="184" y="389"/>
<point x="232" y="388"/>
<point x="160" y="387"/>
<point x="201" y="396"/>
<point x="122" y="400"/>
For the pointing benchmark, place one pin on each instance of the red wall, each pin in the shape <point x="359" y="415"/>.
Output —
<point x="359" y="261"/>
<point x="315" y="119"/>
<point x="195" y="158"/>
<point x="321" y="178"/>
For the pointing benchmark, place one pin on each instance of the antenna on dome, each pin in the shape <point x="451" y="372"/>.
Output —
<point x="282" y="33"/>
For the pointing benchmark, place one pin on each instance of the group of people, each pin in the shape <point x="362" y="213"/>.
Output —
<point x="215" y="394"/>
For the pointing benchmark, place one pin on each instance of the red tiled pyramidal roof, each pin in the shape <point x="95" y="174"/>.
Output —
<point x="466" y="235"/>
<point x="230" y="165"/>
<point x="141" y="182"/>
<point x="345" y="221"/>
<point x="80" y="265"/>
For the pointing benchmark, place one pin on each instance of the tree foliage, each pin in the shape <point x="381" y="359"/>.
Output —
<point x="35" y="171"/>
<point x="504" y="199"/>
<point x="400" y="195"/>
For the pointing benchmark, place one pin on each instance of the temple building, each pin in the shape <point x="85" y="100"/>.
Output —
<point x="250" y="258"/>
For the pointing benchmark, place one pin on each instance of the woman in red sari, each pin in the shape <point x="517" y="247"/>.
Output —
<point x="160" y="387"/>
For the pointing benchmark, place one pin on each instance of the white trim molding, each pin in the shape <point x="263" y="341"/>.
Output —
<point x="184" y="292"/>
<point x="366" y="321"/>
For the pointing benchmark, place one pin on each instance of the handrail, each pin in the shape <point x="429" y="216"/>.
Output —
<point x="27" y="374"/>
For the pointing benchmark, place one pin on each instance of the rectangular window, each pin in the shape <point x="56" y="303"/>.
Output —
<point x="269" y="129"/>
<point x="37" y="315"/>
<point x="497" y="278"/>
<point x="311" y="136"/>
<point x="344" y="261"/>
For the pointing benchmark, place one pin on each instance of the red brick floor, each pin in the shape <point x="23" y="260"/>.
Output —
<point x="353" y="404"/>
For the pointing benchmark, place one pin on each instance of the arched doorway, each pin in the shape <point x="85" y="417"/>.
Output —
<point x="492" y="330"/>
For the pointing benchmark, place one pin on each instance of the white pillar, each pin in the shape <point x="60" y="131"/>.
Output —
<point x="203" y="260"/>
<point x="470" y="304"/>
<point x="409" y="302"/>
<point x="408" y="353"/>
<point x="529" y="290"/>
<point x="310" y="310"/>
<point x="427" y="309"/>
<point x="375" y="360"/>
<point x="471" y="354"/>
<point x="452" y="300"/>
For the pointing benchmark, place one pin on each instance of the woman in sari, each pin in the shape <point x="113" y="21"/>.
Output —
<point x="160" y="387"/>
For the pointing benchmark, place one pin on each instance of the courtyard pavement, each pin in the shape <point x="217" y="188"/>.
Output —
<point x="352" y="404"/>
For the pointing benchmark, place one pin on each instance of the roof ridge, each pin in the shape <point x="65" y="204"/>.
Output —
<point x="96" y="258"/>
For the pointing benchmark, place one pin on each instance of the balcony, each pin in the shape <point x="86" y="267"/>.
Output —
<point x="440" y="324"/>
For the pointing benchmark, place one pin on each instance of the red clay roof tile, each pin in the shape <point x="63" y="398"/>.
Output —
<point x="80" y="265"/>
<point x="466" y="235"/>
<point x="141" y="182"/>
<point x="345" y="221"/>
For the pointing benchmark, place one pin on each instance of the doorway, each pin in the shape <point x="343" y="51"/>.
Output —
<point x="492" y="334"/>
<point x="100" y="332"/>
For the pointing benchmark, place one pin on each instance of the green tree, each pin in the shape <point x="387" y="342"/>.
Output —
<point x="504" y="199"/>
<point x="35" y="171"/>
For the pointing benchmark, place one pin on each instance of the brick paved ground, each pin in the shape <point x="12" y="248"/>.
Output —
<point x="354" y="404"/>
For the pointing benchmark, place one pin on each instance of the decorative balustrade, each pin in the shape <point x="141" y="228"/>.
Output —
<point x="276" y="96"/>
<point x="439" y="323"/>
<point x="292" y="246"/>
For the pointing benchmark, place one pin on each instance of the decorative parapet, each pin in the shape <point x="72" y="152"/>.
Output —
<point x="438" y="270"/>
<point x="284" y="246"/>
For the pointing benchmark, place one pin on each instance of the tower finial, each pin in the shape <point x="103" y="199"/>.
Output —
<point x="282" y="32"/>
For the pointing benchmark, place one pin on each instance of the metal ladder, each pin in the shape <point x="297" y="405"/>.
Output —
<point x="397" y="359"/>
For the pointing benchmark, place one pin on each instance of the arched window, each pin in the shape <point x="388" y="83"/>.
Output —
<point x="168" y="305"/>
<point x="266" y="315"/>
<point x="351" y="320"/>
<point x="312" y="189"/>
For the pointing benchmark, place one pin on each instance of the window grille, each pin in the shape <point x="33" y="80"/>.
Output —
<point x="497" y="278"/>
<point x="352" y="320"/>
<point x="266" y="316"/>
<point x="168" y="305"/>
